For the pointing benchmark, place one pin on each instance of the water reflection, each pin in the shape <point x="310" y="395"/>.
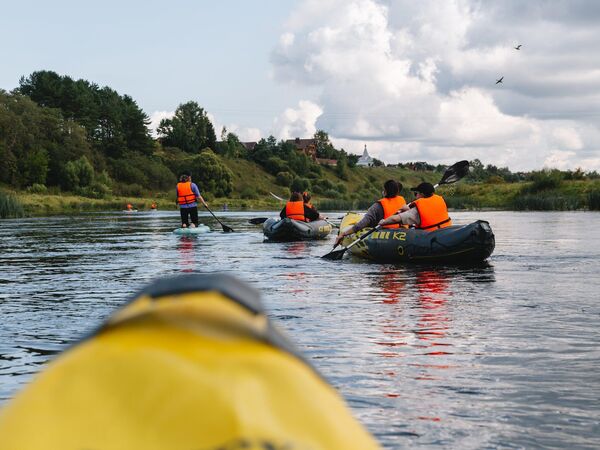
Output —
<point x="186" y="249"/>
<point x="432" y="287"/>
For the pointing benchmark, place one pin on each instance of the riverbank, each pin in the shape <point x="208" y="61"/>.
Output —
<point x="54" y="204"/>
<point x="523" y="196"/>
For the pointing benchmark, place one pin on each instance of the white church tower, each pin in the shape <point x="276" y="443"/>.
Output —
<point x="365" y="160"/>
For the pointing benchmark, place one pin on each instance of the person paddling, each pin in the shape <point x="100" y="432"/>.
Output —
<point x="306" y="197"/>
<point x="428" y="212"/>
<point x="188" y="195"/>
<point x="383" y="208"/>
<point x="297" y="210"/>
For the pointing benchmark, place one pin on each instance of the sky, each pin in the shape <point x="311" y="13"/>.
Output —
<point x="411" y="80"/>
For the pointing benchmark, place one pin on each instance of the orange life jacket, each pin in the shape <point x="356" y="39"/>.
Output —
<point x="433" y="213"/>
<point x="295" y="210"/>
<point x="185" y="195"/>
<point x="391" y="207"/>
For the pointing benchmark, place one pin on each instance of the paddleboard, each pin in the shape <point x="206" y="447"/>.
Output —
<point x="198" y="230"/>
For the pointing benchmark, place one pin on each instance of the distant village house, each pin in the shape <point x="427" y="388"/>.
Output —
<point x="309" y="148"/>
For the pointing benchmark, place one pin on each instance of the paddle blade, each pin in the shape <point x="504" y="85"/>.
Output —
<point x="335" y="255"/>
<point x="258" y="220"/>
<point x="455" y="172"/>
<point x="227" y="229"/>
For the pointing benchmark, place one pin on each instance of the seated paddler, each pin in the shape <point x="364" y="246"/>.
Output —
<point x="427" y="212"/>
<point x="383" y="208"/>
<point x="297" y="210"/>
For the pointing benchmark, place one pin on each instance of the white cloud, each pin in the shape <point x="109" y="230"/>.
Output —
<point x="416" y="80"/>
<point x="299" y="122"/>
<point x="156" y="117"/>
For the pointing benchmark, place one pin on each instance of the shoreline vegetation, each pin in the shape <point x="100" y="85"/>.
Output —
<point x="70" y="146"/>
<point x="570" y="196"/>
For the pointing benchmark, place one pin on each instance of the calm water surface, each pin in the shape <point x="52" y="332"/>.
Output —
<point x="506" y="355"/>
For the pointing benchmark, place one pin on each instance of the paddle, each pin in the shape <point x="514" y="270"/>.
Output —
<point x="339" y="254"/>
<point x="226" y="229"/>
<point x="277" y="197"/>
<point x="258" y="220"/>
<point x="451" y="175"/>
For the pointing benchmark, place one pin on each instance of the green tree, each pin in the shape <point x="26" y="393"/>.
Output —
<point x="189" y="129"/>
<point x="209" y="173"/>
<point x="300" y="184"/>
<point x="341" y="169"/>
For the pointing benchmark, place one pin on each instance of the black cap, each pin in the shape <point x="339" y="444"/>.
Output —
<point x="424" y="188"/>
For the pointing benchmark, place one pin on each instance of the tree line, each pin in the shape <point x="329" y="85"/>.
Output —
<point x="73" y="135"/>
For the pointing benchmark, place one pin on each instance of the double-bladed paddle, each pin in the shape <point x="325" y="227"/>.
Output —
<point x="451" y="175"/>
<point x="258" y="220"/>
<point x="226" y="229"/>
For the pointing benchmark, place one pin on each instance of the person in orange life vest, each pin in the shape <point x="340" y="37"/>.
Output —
<point x="297" y="210"/>
<point x="129" y="207"/>
<point x="188" y="195"/>
<point x="306" y="198"/>
<point x="428" y="212"/>
<point x="153" y="205"/>
<point x="383" y="208"/>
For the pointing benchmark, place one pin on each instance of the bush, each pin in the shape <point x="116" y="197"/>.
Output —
<point x="125" y="172"/>
<point x="275" y="165"/>
<point x="95" y="190"/>
<point x="37" y="188"/>
<point x="209" y="173"/>
<point x="284" y="179"/>
<point x="544" y="180"/>
<point x="495" y="179"/>
<point x="332" y="193"/>
<point x="249" y="193"/>
<point x="300" y="184"/>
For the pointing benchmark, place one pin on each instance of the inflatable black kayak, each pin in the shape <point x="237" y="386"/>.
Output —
<point x="276" y="229"/>
<point x="193" y="362"/>
<point x="456" y="244"/>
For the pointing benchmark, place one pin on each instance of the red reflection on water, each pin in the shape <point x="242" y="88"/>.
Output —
<point x="298" y="280"/>
<point x="432" y="419"/>
<point x="392" y="285"/>
<point x="297" y="248"/>
<point x="185" y="247"/>
<point x="433" y="324"/>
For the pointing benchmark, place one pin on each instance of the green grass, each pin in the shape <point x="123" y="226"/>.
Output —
<point x="10" y="206"/>
<point x="252" y="186"/>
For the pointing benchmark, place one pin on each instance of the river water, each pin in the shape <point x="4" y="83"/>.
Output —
<point x="505" y="355"/>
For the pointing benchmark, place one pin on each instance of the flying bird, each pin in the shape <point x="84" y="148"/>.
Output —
<point x="518" y="47"/>
<point x="499" y="80"/>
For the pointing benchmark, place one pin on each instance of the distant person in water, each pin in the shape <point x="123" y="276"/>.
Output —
<point x="129" y="207"/>
<point x="187" y="198"/>
<point x="153" y="205"/>
<point x="297" y="210"/>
